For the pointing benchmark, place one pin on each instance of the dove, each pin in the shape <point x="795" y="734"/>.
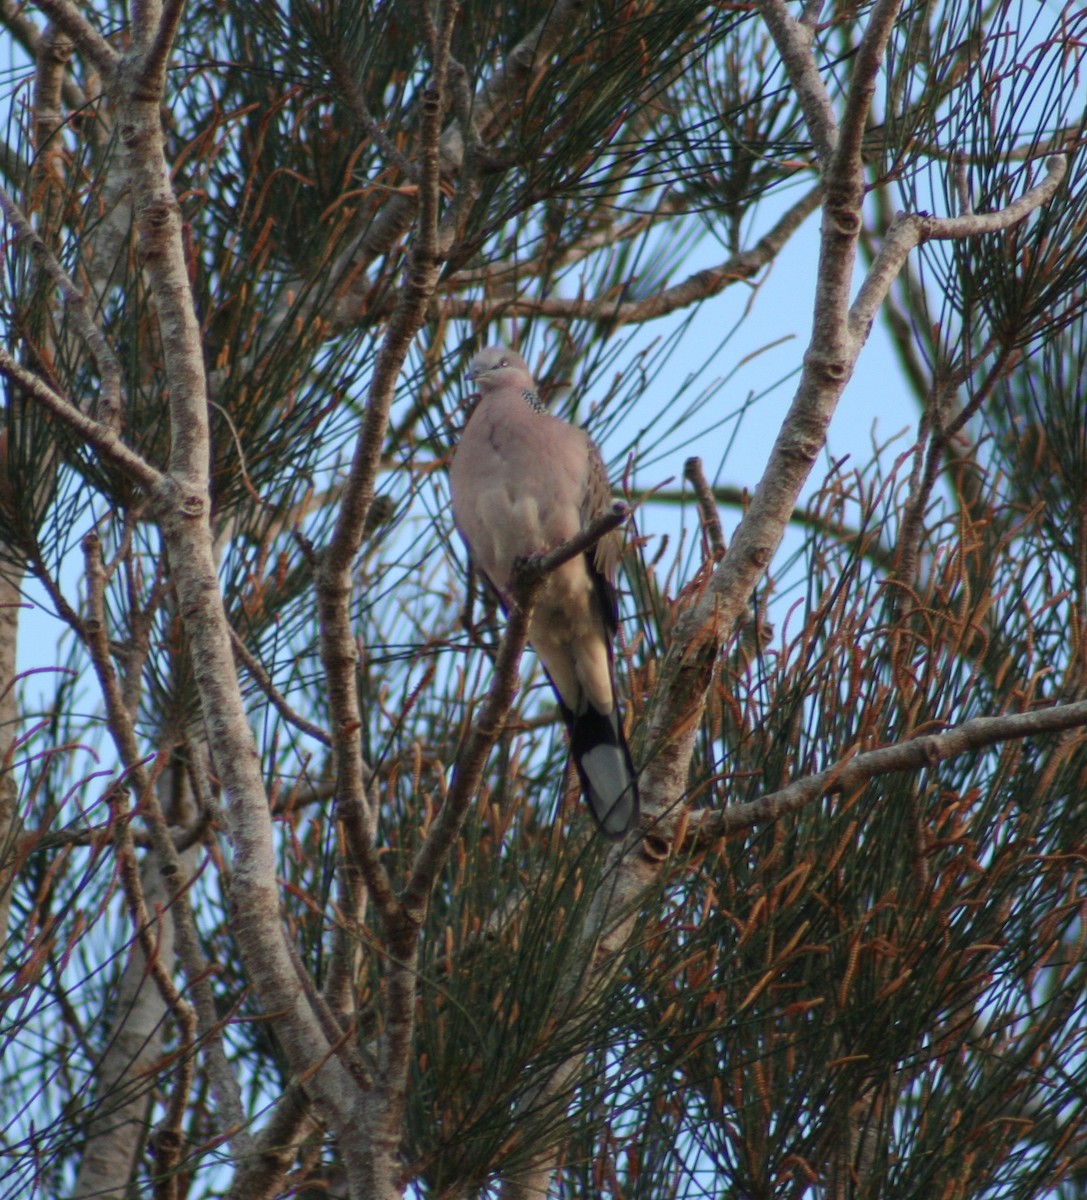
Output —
<point x="524" y="481"/>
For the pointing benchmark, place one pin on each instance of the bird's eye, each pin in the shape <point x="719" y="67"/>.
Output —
<point x="505" y="362"/>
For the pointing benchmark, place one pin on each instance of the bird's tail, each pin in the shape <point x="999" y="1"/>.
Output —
<point x="600" y="753"/>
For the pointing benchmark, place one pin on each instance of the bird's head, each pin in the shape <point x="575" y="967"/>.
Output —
<point x="498" y="367"/>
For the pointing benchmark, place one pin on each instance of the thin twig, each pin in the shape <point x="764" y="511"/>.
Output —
<point x="962" y="183"/>
<point x="95" y="631"/>
<point x="360" y="111"/>
<point x="264" y="681"/>
<point x="167" y="1135"/>
<point x="707" y="507"/>
<point x="940" y="437"/>
<point x="529" y="573"/>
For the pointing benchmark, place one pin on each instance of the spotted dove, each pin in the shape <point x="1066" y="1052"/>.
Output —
<point x="523" y="482"/>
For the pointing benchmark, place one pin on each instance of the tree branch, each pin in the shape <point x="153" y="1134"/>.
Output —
<point x="264" y="681"/>
<point x="88" y="41"/>
<point x="862" y="85"/>
<point x="856" y="769"/>
<point x="160" y="237"/>
<point x="794" y="40"/>
<point x="909" y="230"/>
<point x="26" y="33"/>
<point x="701" y="285"/>
<point x="97" y="434"/>
<point x="339" y="653"/>
<point x="52" y="53"/>
<point x="181" y="505"/>
<point x="377" y="1162"/>
<point x="162" y="33"/>
<point x="261" y="1174"/>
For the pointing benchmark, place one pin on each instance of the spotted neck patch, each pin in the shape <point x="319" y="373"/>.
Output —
<point x="532" y="400"/>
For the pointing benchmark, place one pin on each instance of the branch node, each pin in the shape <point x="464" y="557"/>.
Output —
<point x="845" y="218"/>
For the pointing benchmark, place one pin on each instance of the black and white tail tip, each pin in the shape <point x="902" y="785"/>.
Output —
<point x="600" y="754"/>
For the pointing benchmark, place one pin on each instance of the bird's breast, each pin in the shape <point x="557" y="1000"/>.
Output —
<point x="513" y="493"/>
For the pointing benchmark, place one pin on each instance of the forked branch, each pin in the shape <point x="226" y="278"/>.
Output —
<point x="909" y="230"/>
